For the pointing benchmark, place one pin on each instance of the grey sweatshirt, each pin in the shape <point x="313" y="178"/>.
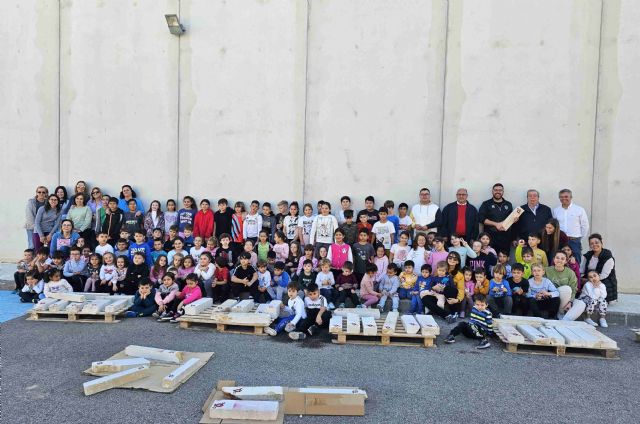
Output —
<point x="47" y="221"/>
<point x="30" y="212"/>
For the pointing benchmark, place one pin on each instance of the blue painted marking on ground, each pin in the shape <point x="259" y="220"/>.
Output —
<point x="10" y="306"/>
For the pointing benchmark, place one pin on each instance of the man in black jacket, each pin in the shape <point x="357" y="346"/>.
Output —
<point x="534" y="217"/>
<point x="492" y="213"/>
<point x="460" y="218"/>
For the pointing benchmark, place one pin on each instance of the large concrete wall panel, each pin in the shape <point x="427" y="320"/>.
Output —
<point x="520" y="98"/>
<point x="616" y="177"/>
<point x="28" y="112"/>
<point x="119" y="96"/>
<point x="374" y="102"/>
<point x="243" y="68"/>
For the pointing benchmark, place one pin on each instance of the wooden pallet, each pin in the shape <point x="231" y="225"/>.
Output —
<point x="636" y="331"/>
<point x="399" y="338"/>
<point x="63" y="316"/>
<point x="204" y="319"/>
<point x="570" y="351"/>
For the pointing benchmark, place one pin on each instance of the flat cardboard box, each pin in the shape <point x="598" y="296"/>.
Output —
<point x="217" y="394"/>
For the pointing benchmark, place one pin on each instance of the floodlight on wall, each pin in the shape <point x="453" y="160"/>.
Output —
<point x="175" y="27"/>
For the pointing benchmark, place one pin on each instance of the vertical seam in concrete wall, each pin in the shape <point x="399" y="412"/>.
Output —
<point x="595" y="115"/>
<point x="444" y="99"/>
<point x="306" y="91"/>
<point x="59" y="92"/>
<point x="178" y="112"/>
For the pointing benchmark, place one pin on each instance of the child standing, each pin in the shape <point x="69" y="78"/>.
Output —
<point x="419" y="252"/>
<point x="186" y="215"/>
<point x="291" y="265"/>
<point x="144" y="303"/>
<point x="197" y="248"/>
<point x="405" y="223"/>
<point x="263" y="247"/>
<point x="381" y="261"/>
<point x="170" y="215"/>
<point x="479" y="327"/>
<point x="323" y="228"/>
<point x="318" y="315"/>
<point x="400" y="250"/>
<point x="269" y="221"/>
<point x="220" y="283"/>
<point x="326" y="281"/>
<point x="165" y="294"/>
<point x="460" y="245"/>
<point x="363" y="254"/>
<point x="339" y="253"/>
<point x="103" y="247"/>
<point x="482" y="260"/>
<point x="524" y="256"/>
<point x="290" y="223"/>
<point x="594" y="295"/>
<point x="384" y="230"/>
<point x="363" y="224"/>
<point x="305" y="223"/>
<point x="349" y="228"/>
<point x="389" y="288"/>
<point x="133" y="220"/>
<point x="500" y="301"/>
<point x="203" y="224"/>
<point x="439" y="253"/>
<point x="280" y="247"/>
<point x="306" y="276"/>
<point x="346" y="285"/>
<point x="264" y="283"/>
<point x="178" y="247"/>
<point x="368" y="295"/>
<point x="345" y="205"/>
<point x="237" y="226"/>
<point x="141" y="246"/>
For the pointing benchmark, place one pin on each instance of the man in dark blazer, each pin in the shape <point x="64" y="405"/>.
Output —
<point x="460" y="218"/>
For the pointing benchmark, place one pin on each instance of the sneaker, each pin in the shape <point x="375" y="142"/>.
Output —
<point x="450" y="339"/>
<point x="332" y="306"/>
<point x="381" y="308"/>
<point x="312" y="330"/>
<point x="360" y="306"/>
<point x="590" y="322"/>
<point x="342" y="305"/>
<point x="603" y="322"/>
<point x="155" y="315"/>
<point x="297" y="335"/>
<point x="166" y="317"/>
<point x="270" y="331"/>
<point x="130" y="314"/>
<point x="174" y="319"/>
<point x="484" y="344"/>
<point x="451" y="318"/>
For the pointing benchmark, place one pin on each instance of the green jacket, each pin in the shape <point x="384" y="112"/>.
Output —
<point x="565" y="278"/>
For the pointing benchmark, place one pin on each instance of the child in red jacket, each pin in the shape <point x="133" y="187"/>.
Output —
<point x="203" y="225"/>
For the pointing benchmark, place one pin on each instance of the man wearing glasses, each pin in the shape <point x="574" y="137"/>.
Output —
<point x="425" y="215"/>
<point x="573" y="221"/>
<point x="460" y="218"/>
<point x="492" y="213"/>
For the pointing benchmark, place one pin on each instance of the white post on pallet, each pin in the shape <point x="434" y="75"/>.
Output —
<point x="390" y="323"/>
<point x="510" y="333"/>
<point x="363" y="312"/>
<point x="225" y="306"/>
<point x="555" y="337"/>
<point x="410" y="324"/>
<point x="95" y="306"/>
<point x="58" y="306"/>
<point x="369" y="326"/>
<point x="194" y="308"/>
<point x="353" y="324"/>
<point x="335" y="324"/>
<point x="243" y="306"/>
<point x="533" y="334"/>
<point x="43" y="304"/>
<point x="428" y="325"/>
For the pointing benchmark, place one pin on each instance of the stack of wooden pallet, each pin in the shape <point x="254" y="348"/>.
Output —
<point x="232" y="316"/>
<point x="537" y="335"/>
<point x="80" y="307"/>
<point x="368" y="326"/>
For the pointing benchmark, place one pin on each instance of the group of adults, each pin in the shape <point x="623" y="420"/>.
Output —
<point x="59" y="218"/>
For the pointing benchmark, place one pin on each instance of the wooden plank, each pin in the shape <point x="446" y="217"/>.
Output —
<point x="243" y="306"/>
<point x="369" y="327"/>
<point x="428" y="325"/>
<point x="244" y="410"/>
<point x="511" y="334"/>
<point x="156" y="354"/>
<point x="363" y="312"/>
<point x="71" y="297"/>
<point x="353" y="324"/>
<point x="390" y="323"/>
<point x="515" y="214"/>
<point x="335" y="324"/>
<point x="410" y="324"/>
<point x="117" y="365"/>
<point x="194" y="308"/>
<point x="225" y="306"/>
<point x="181" y="374"/>
<point x="114" y="380"/>
<point x="533" y="334"/>
<point x="254" y="393"/>
<point x="95" y="306"/>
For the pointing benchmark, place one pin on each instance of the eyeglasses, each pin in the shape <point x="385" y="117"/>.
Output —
<point x="41" y="192"/>
<point x="95" y="192"/>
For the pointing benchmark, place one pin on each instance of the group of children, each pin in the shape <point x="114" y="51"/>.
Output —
<point x="311" y="263"/>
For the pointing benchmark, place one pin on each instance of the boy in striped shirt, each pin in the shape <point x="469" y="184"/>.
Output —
<point x="479" y="327"/>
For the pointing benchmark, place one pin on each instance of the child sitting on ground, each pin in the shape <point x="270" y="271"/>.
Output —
<point x="346" y="285"/>
<point x="280" y="281"/>
<point x="503" y="259"/>
<point x="482" y="283"/>
<point x="543" y="295"/>
<point x="500" y="301"/>
<point x="31" y="291"/>
<point x="93" y="272"/>
<point x="519" y="288"/>
<point x="422" y="283"/>
<point x="190" y="293"/>
<point x="75" y="269"/>
<point x="165" y="294"/>
<point x="108" y="274"/>
<point x="440" y="288"/>
<point x="368" y="295"/>
<point x="388" y="287"/>
<point x="318" y="315"/>
<point x="144" y="300"/>
<point x="264" y="283"/>
<point x="135" y="273"/>
<point x="594" y="294"/>
<point x="326" y="282"/>
<point x="54" y="283"/>
<point x="306" y="277"/>
<point x="407" y="281"/>
<point x="22" y="268"/>
<point x="220" y="281"/>
<point x="479" y="327"/>
<point x="294" y="313"/>
<point x="469" y="287"/>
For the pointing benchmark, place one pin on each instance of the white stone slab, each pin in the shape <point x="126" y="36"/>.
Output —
<point x="254" y="393"/>
<point x="272" y="309"/>
<point x="555" y="337"/>
<point x="59" y="306"/>
<point x="335" y="324"/>
<point x="43" y="304"/>
<point x="510" y="333"/>
<point x="74" y="307"/>
<point x="225" y="306"/>
<point x="390" y="323"/>
<point x="363" y="312"/>
<point x="115" y="380"/>
<point x="121" y="302"/>
<point x="117" y="365"/>
<point x="428" y="325"/>
<point x="95" y="306"/>
<point x="570" y="338"/>
<point x="533" y="334"/>
<point x="410" y="324"/>
<point x="244" y="410"/>
<point x="243" y="306"/>
<point x="369" y="326"/>
<point x="232" y="318"/>
<point x="180" y="374"/>
<point x="71" y="297"/>
<point x="155" y="354"/>
<point x="194" y="308"/>
<point x="353" y="324"/>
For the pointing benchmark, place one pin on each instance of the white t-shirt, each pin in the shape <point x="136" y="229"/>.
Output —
<point x="383" y="233"/>
<point x="400" y="254"/>
<point x="306" y="222"/>
<point x="107" y="248"/>
<point x="290" y="225"/>
<point x="424" y="214"/>
<point x="323" y="228"/>
<point x="320" y="302"/>
<point x="195" y="253"/>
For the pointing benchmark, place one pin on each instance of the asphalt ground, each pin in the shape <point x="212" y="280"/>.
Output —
<point x="42" y="381"/>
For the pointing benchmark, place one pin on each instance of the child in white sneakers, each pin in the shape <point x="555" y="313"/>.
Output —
<point x="295" y="313"/>
<point x="594" y="294"/>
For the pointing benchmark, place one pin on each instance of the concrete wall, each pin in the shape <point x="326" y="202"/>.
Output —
<point x="315" y="99"/>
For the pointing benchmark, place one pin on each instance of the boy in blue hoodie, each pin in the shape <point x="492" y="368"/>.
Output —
<point x="479" y="327"/>
<point x="500" y="301"/>
<point x="422" y="283"/>
<point x="144" y="303"/>
<point x="140" y="246"/>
